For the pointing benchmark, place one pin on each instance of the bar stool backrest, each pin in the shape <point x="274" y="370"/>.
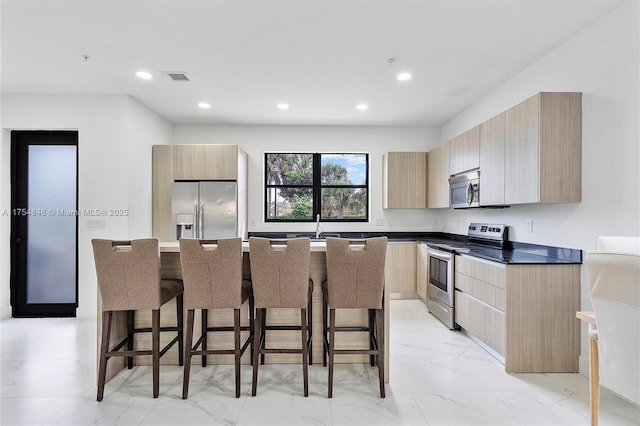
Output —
<point x="280" y="272"/>
<point x="355" y="272"/>
<point x="128" y="274"/>
<point x="212" y="273"/>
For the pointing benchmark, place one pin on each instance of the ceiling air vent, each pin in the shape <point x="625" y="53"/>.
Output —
<point x="177" y="76"/>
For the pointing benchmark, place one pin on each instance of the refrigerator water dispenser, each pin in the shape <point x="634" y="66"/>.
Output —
<point x="185" y="226"/>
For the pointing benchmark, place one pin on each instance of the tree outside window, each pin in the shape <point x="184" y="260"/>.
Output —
<point x="299" y="186"/>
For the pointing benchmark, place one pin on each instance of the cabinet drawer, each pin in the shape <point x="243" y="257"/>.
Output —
<point x="492" y="295"/>
<point x="481" y="320"/>
<point x="482" y="270"/>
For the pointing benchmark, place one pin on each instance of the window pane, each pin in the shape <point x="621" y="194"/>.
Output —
<point x="289" y="169"/>
<point x="289" y="203"/>
<point x="344" y="203"/>
<point x="344" y="169"/>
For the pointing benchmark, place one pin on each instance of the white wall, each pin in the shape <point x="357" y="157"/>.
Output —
<point x="115" y="135"/>
<point x="256" y="140"/>
<point x="601" y="61"/>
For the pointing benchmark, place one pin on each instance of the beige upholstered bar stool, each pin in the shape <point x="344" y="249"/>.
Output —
<point x="280" y="278"/>
<point x="212" y="274"/>
<point x="355" y="279"/>
<point x="128" y="280"/>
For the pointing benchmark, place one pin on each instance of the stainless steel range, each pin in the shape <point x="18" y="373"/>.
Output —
<point x="441" y="256"/>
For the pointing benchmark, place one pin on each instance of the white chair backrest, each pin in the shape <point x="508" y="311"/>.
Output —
<point x="613" y="273"/>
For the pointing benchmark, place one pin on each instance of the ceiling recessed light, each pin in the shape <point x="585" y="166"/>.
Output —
<point x="144" y="75"/>
<point x="204" y="105"/>
<point x="362" y="107"/>
<point x="283" y="106"/>
<point x="404" y="76"/>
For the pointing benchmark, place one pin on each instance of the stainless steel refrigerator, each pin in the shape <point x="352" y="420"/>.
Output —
<point x="206" y="209"/>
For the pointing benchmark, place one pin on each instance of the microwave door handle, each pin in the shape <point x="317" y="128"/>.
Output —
<point x="469" y="194"/>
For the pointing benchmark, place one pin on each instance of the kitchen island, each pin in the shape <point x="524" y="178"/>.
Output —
<point x="170" y="268"/>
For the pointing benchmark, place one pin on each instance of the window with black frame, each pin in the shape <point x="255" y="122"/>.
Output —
<point x="300" y="186"/>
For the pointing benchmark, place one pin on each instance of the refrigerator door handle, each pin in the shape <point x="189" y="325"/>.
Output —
<point x="201" y="220"/>
<point x="196" y="231"/>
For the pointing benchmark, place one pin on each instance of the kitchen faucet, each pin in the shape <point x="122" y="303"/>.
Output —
<point x="318" y="230"/>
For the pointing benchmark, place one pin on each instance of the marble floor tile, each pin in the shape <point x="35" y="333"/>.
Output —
<point x="438" y="377"/>
<point x="280" y="409"/>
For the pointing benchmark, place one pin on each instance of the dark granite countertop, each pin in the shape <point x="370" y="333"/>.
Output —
<point x="514" y="253"/>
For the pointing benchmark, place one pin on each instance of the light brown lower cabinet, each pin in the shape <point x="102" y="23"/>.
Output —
<point x="523" y="313"/>
<point x="400" y="271"/>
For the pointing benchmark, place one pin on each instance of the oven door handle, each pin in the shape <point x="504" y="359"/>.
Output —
<point x="442" y="255"/>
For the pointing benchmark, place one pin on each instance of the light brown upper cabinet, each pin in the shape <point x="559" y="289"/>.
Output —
<point x="205" y="162"/>
<point x="543" y="155"/>
<point x="405" y="180"/>
<point x="438" y="176"/>
<point x="465" y="150"/>
<point x="492" y="141"/>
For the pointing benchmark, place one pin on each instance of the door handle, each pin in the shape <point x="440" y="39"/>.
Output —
<point x="469" y="194"/>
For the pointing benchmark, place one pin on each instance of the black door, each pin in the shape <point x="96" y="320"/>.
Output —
<point x="44" y="223"/>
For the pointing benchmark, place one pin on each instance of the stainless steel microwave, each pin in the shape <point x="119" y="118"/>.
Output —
<point x="464" y="190"/>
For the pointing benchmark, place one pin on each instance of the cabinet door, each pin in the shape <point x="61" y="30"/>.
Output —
<point x="560" y="147"/>
<point x="456" y="155"/>
<point x="422" y="271"/>
<point x="543" y="149"/>
<point x="471" y="141"/>
<point x="492" y="141"/>
<point x="205" y="162"/>
<point x="405" y="180"/>
<point x="522" y="152"/>
<point x="161" y="188"/>
<point x="438" y="176"/>
<point x="465" y="151"/>
<point x="400" y="271"/>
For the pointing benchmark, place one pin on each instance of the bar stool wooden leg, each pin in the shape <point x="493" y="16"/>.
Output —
<point x="372" y="336"/>
<point x="204" y="326"/>
<point x="187" y="361"/>
<point x="263" y="332"/>
<point x="251" y="324"/>
<point x="155" y="348"/>
<point x="594" y="380"/>
<point x="236" y="348"/>
<point x="257" y="338"/>
<point x="309" y="327"/>
<point x="104" y="348"/>
<point x="130" y="326"/>
<point x="379" y="320"/>
<point x="180" y="325"/>
<point x="305" y="350"/>
<point x="331" y="348"/>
